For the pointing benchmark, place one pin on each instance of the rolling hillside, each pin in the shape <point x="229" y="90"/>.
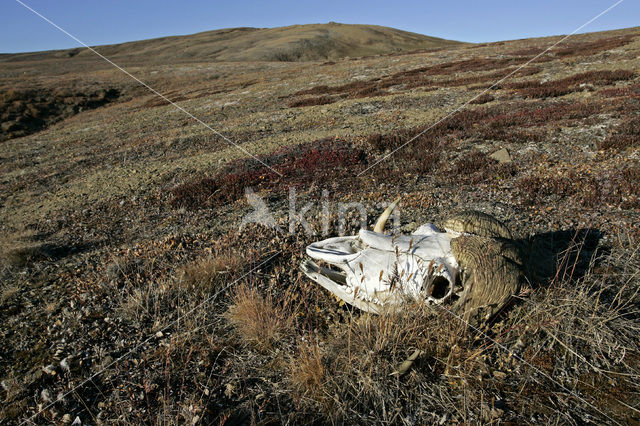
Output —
<point x="292" y="43"/>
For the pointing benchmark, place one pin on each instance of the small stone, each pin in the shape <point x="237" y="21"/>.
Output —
<point x="499" y="375"/>
<point x="229" y="390"/>
<point x="49" y="369"/>
<point x="64" y="364"/>
<point x="501" y="156"/>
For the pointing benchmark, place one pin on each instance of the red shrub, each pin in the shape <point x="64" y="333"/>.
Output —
<point x="483" y="99"/>
<point x="320" y="100"/>
<point x="534" y="189"/>
<point x="536" y="89"/>
<point x="368" y="92"/>
<point x="627" y="134"/>
<point x="323" y="161"/>
<point x="527" y="51"/>
<point x="470" y="165"/>
<point x="417" y="78"/>
<point x="593" y="47"/>
<point x="620" y="188"/>
<point x="632" y="91"/>
<point x="316" y="90"/>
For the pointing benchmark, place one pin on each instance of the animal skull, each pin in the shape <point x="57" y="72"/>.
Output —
<point x="473" y="262"/>
<point x="372" y="270"/>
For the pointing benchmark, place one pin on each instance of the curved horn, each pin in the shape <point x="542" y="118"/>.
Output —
<point x="382" y="220"/>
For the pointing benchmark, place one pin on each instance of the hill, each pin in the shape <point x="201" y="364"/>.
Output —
<point x="293" y="43"/>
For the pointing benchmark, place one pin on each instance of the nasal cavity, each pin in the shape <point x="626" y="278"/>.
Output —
<point x="440" y="287"/>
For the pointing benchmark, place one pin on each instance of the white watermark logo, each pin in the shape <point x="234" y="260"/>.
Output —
<point x="302" y="213"/>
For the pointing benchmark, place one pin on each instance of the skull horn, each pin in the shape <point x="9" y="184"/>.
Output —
<point x="382" y="220"/>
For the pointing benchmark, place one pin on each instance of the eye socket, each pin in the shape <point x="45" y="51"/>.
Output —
<point x="440" y="287"/>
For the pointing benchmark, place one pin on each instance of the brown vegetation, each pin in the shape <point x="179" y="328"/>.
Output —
<point x="625" y="135"/>
<point x="326" y="160"/>
<point x="311" y="42"/>
<point x="260" y="320"/>
<point x="594" y="47"/>
<point x="413" y="79"/>
<point x="554" y="88"/>
<point x="618" y="188"/>
<point x="483" y="99"/>
<point x="210" y="274"/>
<point x="320" y="100"/>
<point x="23" y="112"/>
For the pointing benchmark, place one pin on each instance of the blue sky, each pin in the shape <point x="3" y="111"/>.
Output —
<point x="115" y="21"/>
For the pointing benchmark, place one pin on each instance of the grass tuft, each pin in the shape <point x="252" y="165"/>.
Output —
<point x="258" y="319"/>
<point x="308" y="375"/>
<point x="210" y="273"/>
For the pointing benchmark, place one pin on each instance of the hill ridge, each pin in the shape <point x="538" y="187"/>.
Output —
<point x="306" y="42"/>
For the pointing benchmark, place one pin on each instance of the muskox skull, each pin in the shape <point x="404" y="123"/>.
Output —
<point x="472" y="265"/>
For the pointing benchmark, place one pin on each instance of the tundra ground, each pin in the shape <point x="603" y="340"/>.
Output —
<point x="130" y="294"/>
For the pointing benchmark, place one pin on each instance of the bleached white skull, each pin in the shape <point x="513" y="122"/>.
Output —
<point x="372" y="270"/>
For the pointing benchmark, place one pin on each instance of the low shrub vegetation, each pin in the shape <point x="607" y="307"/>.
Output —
<point x="555" y="88"/>
<point x="326" y="160"/>
<point x="625" y="135"/>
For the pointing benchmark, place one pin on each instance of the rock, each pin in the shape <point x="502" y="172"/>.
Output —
<point x="499" y="375"/>
<point x="501" y="156"/>
<point x="64" y="365"/>
<point x="49" y="369"/>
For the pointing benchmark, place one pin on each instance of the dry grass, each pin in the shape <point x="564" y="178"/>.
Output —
<point x="307" y="374"/>
<point x="210" y="273"/>
<point x="259" y="319"/>
<point x="7" y="291"/>
<point x="280" y="350"/>
<point x="558" y="341"/>
<point x="351" y="373"/>
<point x="19" y="249"/>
